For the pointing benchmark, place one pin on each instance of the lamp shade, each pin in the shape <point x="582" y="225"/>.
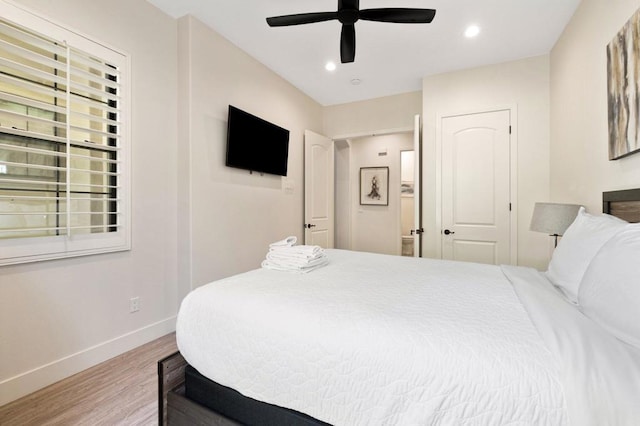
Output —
<point x="553" y="218"/>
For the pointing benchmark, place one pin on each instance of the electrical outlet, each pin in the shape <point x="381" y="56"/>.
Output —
<point x="134" y="304"/>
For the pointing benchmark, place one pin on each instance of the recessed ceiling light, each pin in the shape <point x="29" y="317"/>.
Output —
<point x="472" y="31"/>
<point x="330" y="66"/>
<point x="356" y="81"/>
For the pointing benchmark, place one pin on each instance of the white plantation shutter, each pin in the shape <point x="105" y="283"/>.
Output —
<point x="63" y="147"/>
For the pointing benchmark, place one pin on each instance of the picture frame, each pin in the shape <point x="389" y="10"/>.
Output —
<point x="406" y="189"/>
<point x="623" y="63"/>
<point x="374" y="186"/>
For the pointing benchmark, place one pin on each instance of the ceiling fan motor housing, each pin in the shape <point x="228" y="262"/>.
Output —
<point x="348" y="16"/>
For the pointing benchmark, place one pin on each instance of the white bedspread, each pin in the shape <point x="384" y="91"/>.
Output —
<point x="600" y="374"/>
<point x="377" y="340"/>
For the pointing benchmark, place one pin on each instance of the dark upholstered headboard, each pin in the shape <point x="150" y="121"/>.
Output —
<point x="623" y="204"/>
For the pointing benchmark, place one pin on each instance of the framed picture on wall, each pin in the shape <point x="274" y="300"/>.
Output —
<point x="374" y="186"/>
<point x="623" y="73"/>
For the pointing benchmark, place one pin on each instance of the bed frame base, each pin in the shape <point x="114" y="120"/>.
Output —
<point x="174" y="408"/>
<point x="181" y="411"/>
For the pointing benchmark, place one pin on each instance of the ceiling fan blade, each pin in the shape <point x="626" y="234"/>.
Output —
<point x="398" y="15"/>
<point x="348" y="43"/>
<point x="301" y="18"/>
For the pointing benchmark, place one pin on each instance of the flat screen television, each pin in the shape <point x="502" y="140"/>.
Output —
<point x="255" y="144"/>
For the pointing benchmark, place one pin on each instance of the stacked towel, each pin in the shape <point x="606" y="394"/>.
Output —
<point x="283" y="256"/>
<point x="287" y="242"/>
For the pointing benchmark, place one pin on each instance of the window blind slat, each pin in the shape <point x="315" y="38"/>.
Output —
<point x="21" y="100"/>
<point x="31" y="38"/>
<point x="59" y="140"/>
<point x="19" y="83"/>
<point x="88" y="60"/>
<point x="33" y="72"/>
<point x="79" y="87"/>
<point x="31" y="55"/>
<point x="47" y="183"/>
<point x="30" y="118"/>
<point x="95" y="78"/>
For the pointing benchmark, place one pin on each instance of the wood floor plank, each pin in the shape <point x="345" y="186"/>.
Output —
<point x="120" y="391"/>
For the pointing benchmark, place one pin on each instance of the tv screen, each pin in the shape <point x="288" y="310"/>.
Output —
<point x="255" y="144"/>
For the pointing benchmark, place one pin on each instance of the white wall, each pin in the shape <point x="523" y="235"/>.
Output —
<point x="60" y="317"/>
<point x="233" y="215"/>
<point x="523" y="84"/>
<point x="365" y="118"/>
<point x="377" y="228"/>
<point x="580" y="169"/>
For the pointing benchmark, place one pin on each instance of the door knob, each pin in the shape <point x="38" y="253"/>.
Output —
<point x="447" y="232"/>
<point x="309" y="226"/>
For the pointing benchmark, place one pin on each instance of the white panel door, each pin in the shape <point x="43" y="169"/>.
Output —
<point x="319" y="221"/>
<point x="476" y="187"/>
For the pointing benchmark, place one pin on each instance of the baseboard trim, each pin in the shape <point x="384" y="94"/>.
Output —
<point x="25" y="383"/>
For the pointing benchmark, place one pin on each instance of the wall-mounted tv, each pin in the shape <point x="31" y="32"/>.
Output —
<point x="255" y="144"/>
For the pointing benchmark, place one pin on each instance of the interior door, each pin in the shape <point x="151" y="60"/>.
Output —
<point x="417" y="178"/>
<point x="319" y="216"/>
<point x="476" y="209"/>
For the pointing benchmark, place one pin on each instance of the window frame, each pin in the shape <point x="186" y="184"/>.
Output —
<point x="32" y="249"/>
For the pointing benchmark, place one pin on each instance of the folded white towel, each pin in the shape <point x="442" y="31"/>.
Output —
<point x="298" y="251"/>
<point x="291" y="253"/>
<point x="295" y="261"/>
<point x="279" y="266"/>
<point x="287" y="242"/>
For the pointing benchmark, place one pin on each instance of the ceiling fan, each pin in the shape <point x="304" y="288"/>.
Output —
<point x="348" y="14"/>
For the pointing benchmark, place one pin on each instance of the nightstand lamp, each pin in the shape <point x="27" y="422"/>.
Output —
<point x="553" y="218"/>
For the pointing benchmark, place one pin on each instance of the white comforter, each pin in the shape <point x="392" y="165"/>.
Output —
<point x="377" y="340"/>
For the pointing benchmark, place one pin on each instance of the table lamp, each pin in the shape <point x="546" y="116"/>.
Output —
<point x="553" y="218"/>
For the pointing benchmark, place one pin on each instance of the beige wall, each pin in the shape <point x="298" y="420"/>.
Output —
<point x="580" y="169"/>
<point x="365" y="118"/>
<point x="59" y="317"/>
<point x="522" y="85"/>
<point x="233" y="215"/>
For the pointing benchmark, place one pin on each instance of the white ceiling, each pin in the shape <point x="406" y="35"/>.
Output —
<point x="390" y="58"/>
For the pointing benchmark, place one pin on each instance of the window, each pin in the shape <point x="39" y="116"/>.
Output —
<point x="63" y="146"/>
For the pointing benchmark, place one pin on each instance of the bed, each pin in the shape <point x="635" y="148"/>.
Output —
<point x="375" y="339"/>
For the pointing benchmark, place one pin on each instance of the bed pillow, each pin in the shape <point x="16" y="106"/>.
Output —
<point x="579" y="244"/>
<point x="610" y="289"/>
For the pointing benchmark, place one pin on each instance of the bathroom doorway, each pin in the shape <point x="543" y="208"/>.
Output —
<point x="407" y="201"/>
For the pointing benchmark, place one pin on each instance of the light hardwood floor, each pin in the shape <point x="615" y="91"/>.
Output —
<point x="120" y="391"/>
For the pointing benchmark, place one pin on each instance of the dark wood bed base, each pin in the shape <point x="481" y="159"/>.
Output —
<point x="174" y="408"/>
<point x="186" y="397"/>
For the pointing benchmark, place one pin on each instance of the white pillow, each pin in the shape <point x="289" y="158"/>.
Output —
<point x="610" y="290"/>
<point x="579" y="244"/>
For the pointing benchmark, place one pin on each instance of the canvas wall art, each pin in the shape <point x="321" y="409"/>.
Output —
<point x="623" y="72"/>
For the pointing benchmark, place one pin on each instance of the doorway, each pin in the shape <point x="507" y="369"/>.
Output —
<point x="407" y="202"/>
<point x="371" y="227"/>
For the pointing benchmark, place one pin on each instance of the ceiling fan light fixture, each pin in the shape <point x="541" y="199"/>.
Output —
<point x="472" y="31"/>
